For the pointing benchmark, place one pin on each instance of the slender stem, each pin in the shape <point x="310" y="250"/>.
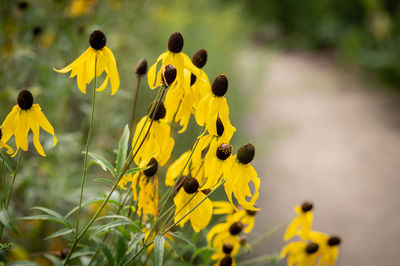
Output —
<point x="135" y="102"/>
<point x="3" y="179"/>
<point x="89" y="137"/>
<point x="11" y="189"/>
<point x="122" y="173"/>
<point x="270" y="232"/>
<point x="260" y="259"/>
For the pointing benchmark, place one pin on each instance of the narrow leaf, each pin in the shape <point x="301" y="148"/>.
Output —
<point x="106" y="251"/>
<point x="53" y="213"/>
<point x="103" y="162"/>
<point x="62" y="232"/>
<point x="5" y="220"/>
<point x="56" y="261"/>
<point x="82" y="252"/>
<point x="44" y="217"/>
<point x="90" y="202"/>
<point x="123" y="149"/>
<point x="136" y="239"/>
<point x="8" y="164"/>
<point x="183" y="237"/>
<point x="159" y="242"/>
<point x="104" y="181"/>
<point x="121" y="248"/>
<point x="109" y="226"/>
<point x="177" y="251"/>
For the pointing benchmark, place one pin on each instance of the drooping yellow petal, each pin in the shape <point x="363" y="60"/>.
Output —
<point x="21" y="132"/>
<point x="111" y="69"/>
<point x="10" y="123"/>
<point x="76" y="63"/>
<point x="34" y="124"/>
<point x="151" y="74"/>
<point x="43" y="122"/>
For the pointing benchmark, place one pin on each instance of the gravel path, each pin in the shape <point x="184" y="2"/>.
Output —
<point x="325" y="134"/>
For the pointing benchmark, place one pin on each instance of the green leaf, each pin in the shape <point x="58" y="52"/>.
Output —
<point x="82" y="252"/>
<point x="90" y="202"/>
<point x="201" y="250"/>
<point x="5" y="220"/>
<point x="121" y="248"/>
<point x="123" y="149"/>
<point x="100" y="160"/>
<point x="44" y="217"/>
<point x="159" y="242"/>
<point x="23" y="263"/>
<point x="62" y="232"/>
<point x="183" y="237"/>
<point x="56" y="261"/>
<point x="136" y="239"/>
<point x="105" y="181"/>
<point x="177" y="251"/>
<point x="8" y="164"/>
<point x="53" y="213"/>
<point x="106" y="251"/>
<point x="109" y="225"/>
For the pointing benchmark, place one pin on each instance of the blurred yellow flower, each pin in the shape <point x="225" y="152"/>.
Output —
<point x="23" y="117"/>
<point x="96" y="56"/>
<point x="301" y="253"/>
<point x="79" y="7"/>
<point x="301" y="224"/>
<point x="246" y="217"/>
<point x="329" y="247"/>
<point x="190" y="196"/>
<point x="238" y="175"/>
<point x="225" y="234"/>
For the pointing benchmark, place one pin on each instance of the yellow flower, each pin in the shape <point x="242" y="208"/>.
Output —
<point x="189" y="195"/>
<point x="239" y="175"/>
<point x="301" y="253"/>
<point x="79" y="7"/>
<point x="223" y="234"/>
<point x="84" y="66"/>
<point x="4" y="145"/>
<point x="158" y="143"/>
<point x="213" y="106"/>
<point x="175" y="57"/>
<point x="23" y="117"/>
<point x="329" y="246"/>
<point x="225" y="256"/>
<point x="216" y="163"/>
<point x="301" y="224"/>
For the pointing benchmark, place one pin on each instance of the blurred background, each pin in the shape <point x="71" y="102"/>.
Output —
<point x="313" y="84"/>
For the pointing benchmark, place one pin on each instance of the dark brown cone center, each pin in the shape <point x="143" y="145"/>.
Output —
<point x="224" y="151"/>
<point x="25" y="100"/>
<point x="97" y="40"/>
<point x="153" y="164"/>
<point x="220" y="85"/>
<point x="246" y="153"/>
<point x="175" y="42"/>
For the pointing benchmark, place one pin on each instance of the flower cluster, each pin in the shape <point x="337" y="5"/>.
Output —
<point x="313" y="245"/>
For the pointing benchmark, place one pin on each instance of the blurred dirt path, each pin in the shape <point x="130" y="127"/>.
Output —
<point x="323" y="135"/>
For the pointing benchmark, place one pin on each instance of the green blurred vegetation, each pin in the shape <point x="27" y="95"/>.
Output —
<point x="361" y="32"/>
<point x="39" y="35"/>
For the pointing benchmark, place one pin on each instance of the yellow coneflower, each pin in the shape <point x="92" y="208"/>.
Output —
<point x="239" y="175"/>
<point x="158" y="143"/>
<point x="301" y="253"/>
<point x="223" y="234"/>
<point x="26" y="116"/>
<point x="216" y="163"/>
<point x="79" y="7"/>
<point x="4" y="145"/>
<point x="175" y="57"/>
<point x="202" y="214"/>
<point x="329" y="247"/>
<point x="301" y="224"/>
<point x="84" y="66"/>
<point x="213" y="106"/>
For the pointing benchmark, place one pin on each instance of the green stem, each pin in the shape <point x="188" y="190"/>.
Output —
<point x="89" y="137"/>
<point x="269" y="233"/>
<point x="3" y="179"/>
<point x="122" y="173"/>
<point x="261" y="259"/>
<point x="11" y="189"/>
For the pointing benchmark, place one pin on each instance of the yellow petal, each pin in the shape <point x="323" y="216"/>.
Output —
<point x="111" y="69"/>
<point x="35" y="130"/>
<point x="43" y="122"/>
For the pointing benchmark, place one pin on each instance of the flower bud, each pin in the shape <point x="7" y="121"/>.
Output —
<point x="220" y="127"/>
<point x="25" y="100"/>
<point x="192" y="79"/>
<point x="168" y="75"/>
<point x="236" y="228"/>
<point x="175" y="42"/>
<point x="160" y="112"/>
<point x="220" y="85"/>
<point x="97" y="40"/>
<point x="190" y="185"/>
<point x="64" y="253"/>
<point x="199" y="59"/>
<point x="246" y="153"/>
<point x="334" y="241"/>
<point x="311" y="248"/>
<point x="306" y="206"/>
<point x="153" y="168"/>
<point x="141" y="67"/>
<point x="224" y="151"/>
<point x="227" y="248"/>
